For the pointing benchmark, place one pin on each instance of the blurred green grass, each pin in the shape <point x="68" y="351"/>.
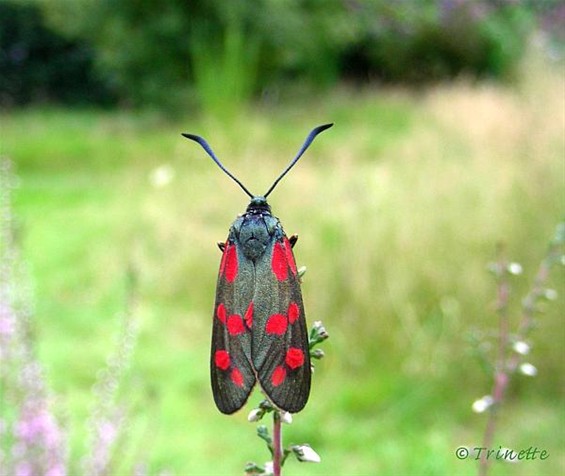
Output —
<point x="399" y="208"/>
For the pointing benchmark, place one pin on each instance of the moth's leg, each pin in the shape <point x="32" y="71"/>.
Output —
<point x="293" y="239"/>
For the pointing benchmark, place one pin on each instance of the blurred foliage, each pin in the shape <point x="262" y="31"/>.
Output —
<point x="439" y="40"/>
<point x="38" y="64"/>
<point x="174" y="54"/>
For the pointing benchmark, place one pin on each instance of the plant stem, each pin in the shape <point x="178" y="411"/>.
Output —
<point x="501" y="372"/>
<point x="505" y="365"/>
<point x="277" y="443"/>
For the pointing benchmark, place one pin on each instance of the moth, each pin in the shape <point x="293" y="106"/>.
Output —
<point x="259" y="329"/>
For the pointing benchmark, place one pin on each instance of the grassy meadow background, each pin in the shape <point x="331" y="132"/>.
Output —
<point x="399" y="208"/>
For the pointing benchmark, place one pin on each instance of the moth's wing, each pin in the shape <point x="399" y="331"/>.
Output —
<point x="231" y="372"/>
<point x="280" y="351"/>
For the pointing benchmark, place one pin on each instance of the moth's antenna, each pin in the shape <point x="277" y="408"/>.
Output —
<point x="210" y="152"/>
<point x="313" y="133"/>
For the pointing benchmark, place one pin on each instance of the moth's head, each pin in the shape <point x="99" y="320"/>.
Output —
<point x="258" y="205"/>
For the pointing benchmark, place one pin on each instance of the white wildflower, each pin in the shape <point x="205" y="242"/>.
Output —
<point x="161" y="176"/>
<point x="550" y="294"/>
<point x="482" y="404"/>
<point x="508" y="455"/>
<point x="515" y="268"/>
<point x="255" y="415"/>
<point x="528" y="369"/>
<point x="306" y="454"/>
<point x="521" y="347"/>
<point x="286" y="417"/>
<point x="269" y="468"/>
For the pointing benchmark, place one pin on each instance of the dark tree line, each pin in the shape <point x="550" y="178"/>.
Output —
<point x="177" y="52"/>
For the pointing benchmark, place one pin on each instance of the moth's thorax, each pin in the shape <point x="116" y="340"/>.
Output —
<point x="254" y="230"/>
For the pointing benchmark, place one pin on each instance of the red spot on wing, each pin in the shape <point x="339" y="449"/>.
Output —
<point x="294" y="358"/>
<point x="289" y="256"/>
<point x="223" y="261"/>
<point x="276" y="324"/>
<point x="279" y="375"/>
<point x="293" y="312"/>
<point x="230" y="268"/>
<point x="248" y="318"/>
<point x="221" y="312"/>
<point x="236" y="377"/>
<point x="279" y="263"/>
<point x="235" y="324"/>
<point x="222" y="359"/>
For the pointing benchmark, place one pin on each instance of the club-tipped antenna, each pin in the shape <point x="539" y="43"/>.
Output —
<point x="210" y="152"/>
<point x="313" y="133"/>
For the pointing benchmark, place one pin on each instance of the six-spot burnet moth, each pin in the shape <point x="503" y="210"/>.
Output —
<point x="259" y="328"/>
